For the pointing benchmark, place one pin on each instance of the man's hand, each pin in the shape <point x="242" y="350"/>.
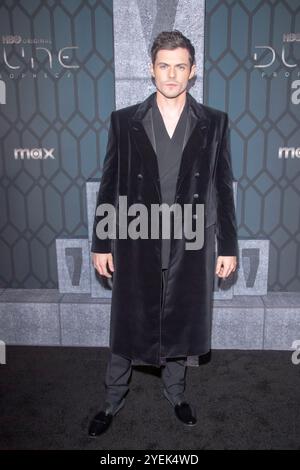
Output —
<point x="225" y="265"/>
<point x="100" y="261"/>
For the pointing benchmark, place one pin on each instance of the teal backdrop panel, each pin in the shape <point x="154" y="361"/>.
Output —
<point x="57" y="93"/>
<point x="264" y="117"/>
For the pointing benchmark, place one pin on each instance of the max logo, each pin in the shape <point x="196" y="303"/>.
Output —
<point x="36" y="154"/>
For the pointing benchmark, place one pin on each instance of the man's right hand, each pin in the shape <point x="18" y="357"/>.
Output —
<point x="100" y="261"/>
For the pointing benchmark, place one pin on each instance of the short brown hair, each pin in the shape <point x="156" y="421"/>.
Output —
<point x="171" y="40"/>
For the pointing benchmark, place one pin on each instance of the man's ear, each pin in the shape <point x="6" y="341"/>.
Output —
<point x="151" y="70"/>
<point x="193" y="71"/>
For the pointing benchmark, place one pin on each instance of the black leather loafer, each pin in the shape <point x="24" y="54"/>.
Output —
<point x="100" y="423"/>
<point x="184" y="413"/>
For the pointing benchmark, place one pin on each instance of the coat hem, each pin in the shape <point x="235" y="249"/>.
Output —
<point x="140" y="362"/>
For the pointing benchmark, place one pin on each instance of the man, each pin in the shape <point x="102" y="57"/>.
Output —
<point x="167" y="149"/>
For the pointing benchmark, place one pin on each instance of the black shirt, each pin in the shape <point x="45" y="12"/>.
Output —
<point x="169" y="153"/>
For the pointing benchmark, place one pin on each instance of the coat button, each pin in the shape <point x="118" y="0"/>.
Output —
<point x="197" y="174"/>
<point x="140" y="176"/>
<point x="196" y="196"/>
<point x="195" y="216"/>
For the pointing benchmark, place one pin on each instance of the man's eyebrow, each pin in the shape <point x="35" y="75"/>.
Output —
<point x="165" y="63"/>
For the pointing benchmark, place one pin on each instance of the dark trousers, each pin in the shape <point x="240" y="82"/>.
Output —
<point x="119" y="369"/>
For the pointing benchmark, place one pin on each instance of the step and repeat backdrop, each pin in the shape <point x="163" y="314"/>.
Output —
<point x="65" y="65"/>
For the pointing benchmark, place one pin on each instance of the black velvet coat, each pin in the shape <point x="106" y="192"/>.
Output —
<point x="140" y="329"/>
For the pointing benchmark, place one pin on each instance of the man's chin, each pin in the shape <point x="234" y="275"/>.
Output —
<point x="171" y="93"/>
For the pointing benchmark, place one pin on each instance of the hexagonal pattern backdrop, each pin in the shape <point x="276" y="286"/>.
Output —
<point x="42" y="200"/>
<point x="61" y="108"/>
<point x="262" y="119"/>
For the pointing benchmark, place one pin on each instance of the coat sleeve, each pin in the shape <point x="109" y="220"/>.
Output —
<point x="227" y="244"/>
<point x="108" y="187"/>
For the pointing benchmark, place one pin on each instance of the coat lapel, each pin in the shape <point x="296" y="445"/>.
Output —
<point x="195" y="138"/>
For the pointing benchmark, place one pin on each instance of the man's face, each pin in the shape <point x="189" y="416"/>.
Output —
<point x="172" y="67"/>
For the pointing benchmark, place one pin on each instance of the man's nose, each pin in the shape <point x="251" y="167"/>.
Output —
<point x="172" y="72"/>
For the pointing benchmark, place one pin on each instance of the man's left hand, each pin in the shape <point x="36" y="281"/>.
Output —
<point x="225" y="265"/>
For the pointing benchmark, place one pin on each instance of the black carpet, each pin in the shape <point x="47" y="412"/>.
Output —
<point x="244" y="400"/>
